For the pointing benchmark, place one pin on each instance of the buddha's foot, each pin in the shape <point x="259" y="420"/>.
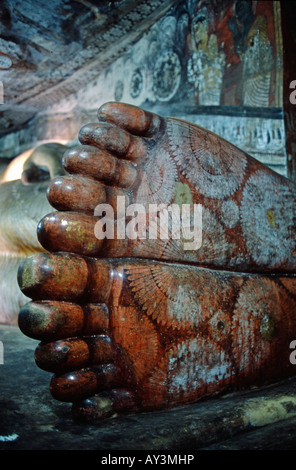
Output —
<point x="134" y="335"/>
<point x="248" y="218"/>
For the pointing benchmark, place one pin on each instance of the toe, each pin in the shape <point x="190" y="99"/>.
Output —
<point x="135" y="120"/>
<point x="76" y="193"/>
<point x="66" y="277"/>
<point x="53" y="320"/>
<point x="103" y="405"/>
<point x="84" y="234"/>
<point x="100" y="165"/>
<point x="77" y="385"/>
<point x="50" y="276"/>
<point x="74" y="353"/>
<point x="69" y="231"/>
<point x="113" y="139"/>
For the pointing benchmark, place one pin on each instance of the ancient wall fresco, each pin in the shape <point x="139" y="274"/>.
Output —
<point x="218" y="64"/>
<point x="201" y="55"/>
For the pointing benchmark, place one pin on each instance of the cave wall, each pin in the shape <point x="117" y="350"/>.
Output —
<point x="216" y="63"/>
<point x="289" y="83"/>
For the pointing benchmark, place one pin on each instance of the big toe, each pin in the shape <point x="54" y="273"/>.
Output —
<point x="65" y="277"/>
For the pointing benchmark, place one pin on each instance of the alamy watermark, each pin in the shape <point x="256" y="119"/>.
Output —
<point x="293" y="94"/>
<point x="1" y="353"/>
<point x="1" y="93"/>
<point x="293" y="353"/>
<point x="150" y="221"/>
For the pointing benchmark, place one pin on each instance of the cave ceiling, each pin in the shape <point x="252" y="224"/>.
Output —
<point x="50" y="49"/>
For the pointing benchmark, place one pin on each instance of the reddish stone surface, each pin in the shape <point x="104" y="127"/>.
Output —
<point x="155" y="325"/>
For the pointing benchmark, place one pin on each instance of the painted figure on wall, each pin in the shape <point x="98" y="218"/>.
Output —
<point x="252" y="45"/>
<point x="257" y="65"/>
<point x="206" y="65"/>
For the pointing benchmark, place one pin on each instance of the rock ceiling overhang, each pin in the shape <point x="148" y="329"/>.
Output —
<point x="50" y="49"/>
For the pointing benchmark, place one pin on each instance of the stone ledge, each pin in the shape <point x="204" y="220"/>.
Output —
<point x="259" y="418"/>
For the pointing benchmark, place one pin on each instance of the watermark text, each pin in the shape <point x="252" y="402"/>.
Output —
<point x="149" y="459"/>
<point x="293" y="353"/>
<point x="151" y="221"/>
<point x="1" y="93"/>
<point x="293" y="94"/>
<point x="1" y="353"/>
